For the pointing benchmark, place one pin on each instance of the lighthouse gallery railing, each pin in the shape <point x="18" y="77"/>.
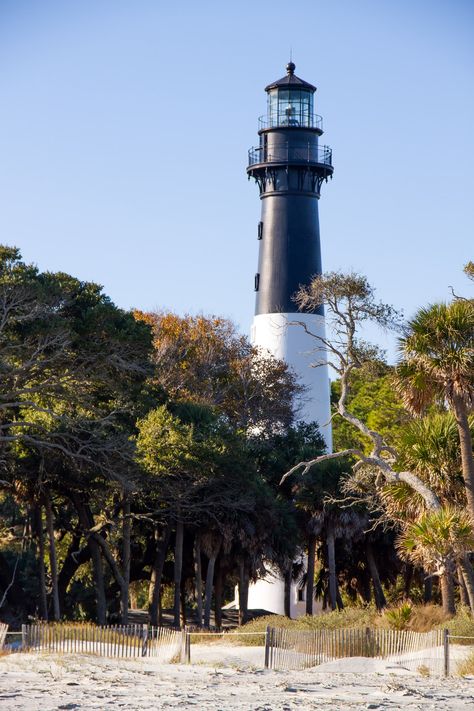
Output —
<point x="291" y="154"/>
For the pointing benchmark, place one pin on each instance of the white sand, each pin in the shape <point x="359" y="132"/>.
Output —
<point x="43" y="682"/>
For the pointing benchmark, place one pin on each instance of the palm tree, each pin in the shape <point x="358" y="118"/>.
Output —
<point x="438" y="365"/>
<point x="430" y="448"/>
<point x="435" y="542"/>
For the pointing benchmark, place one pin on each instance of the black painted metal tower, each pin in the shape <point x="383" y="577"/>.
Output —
<point x="289" y="167"/>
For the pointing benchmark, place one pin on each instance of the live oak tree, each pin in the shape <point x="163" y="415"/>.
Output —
<point x="202" y="359"/>
<point x="72" y="363"/>
<point x="349" y="301"/>
<point x="200" y="473"/>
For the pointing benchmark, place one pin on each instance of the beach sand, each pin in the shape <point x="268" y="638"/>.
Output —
<point x="47" y="682"/>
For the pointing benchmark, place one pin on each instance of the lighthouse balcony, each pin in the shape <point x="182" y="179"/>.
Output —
<point x="301" y="154"/>
<point x="284" y="119"/>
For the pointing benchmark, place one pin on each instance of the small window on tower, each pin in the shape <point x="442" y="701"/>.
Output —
<point x="260" y="230"/>
<point x="257" y="281"/>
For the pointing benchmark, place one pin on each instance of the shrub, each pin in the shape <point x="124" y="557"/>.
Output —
<point x="399" y="617"/>
<point x="461" y="625"/>
<point x="466" y="668"/>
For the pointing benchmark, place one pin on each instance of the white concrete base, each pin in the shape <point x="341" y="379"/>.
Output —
<point x="285" y="337"/>
<point x="294" y="338"/>
<point x="269" y="594"/>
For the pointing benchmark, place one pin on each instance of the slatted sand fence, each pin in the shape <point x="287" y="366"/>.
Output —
<point x="3" y="633"/>
<point x="127" y="641"/>
<point x="164" y="643"/>
<point x="297" y="649"/>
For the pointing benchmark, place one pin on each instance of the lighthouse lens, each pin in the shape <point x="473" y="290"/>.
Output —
<point x="290" y="107"/>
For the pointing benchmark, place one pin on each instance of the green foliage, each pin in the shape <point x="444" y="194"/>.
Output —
<point x="436" y="538"/>
<point x="399" y="618"/>
<point x="461" y="625"/>
<point x="373" y="399"/>
<point x="469" y="270"/>
<point x="438" y="355"/>
<point x="430" y="448"/>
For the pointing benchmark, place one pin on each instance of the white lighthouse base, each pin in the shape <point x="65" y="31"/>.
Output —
<point x="294" y="338"/>
<point x="269" y="594"/>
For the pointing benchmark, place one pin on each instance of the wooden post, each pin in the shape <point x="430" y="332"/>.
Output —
<point x="446" y="651"/>
<point x="145" y="640"/>
<point x="188" y="647"/>
<point x="183" y="646"/>
<point x="23" y="638"/>
<point x="267" y="646"/>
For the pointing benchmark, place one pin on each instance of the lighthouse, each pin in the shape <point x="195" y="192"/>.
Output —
<point x="289" y="166"/>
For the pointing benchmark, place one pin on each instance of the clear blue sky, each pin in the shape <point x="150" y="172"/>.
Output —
<point x="125" y="129"/>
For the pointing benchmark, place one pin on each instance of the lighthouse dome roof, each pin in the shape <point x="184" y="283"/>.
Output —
<point x="291" y="81"/>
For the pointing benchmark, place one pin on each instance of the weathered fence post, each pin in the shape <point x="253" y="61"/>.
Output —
<point x="446" y="651"/>
<point x="188" y="647"/>
<point x="144" y="640"/>
<point x="272" y="643"/>
<point x="267" y="647"/>
<point x="23" y="637"/>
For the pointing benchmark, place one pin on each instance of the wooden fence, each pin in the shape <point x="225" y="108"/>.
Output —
<point x="3" y="633"/>
<point x="291" y="649"/>
<point x="111" y="641"/>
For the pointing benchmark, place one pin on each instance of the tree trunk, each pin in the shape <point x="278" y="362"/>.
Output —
<point x="331" y="546"/>
<point x="182" y="596"/>
<point x="209" y="585"/>
<point x="288" y="579"/>
<point x="243" y="592"/>
<point x="99" y="583"/>
<point x="43" y="600"/>
<point x="218" y="593"/>
<point x="463" y="597"/>
<point x="363" y="586"/>
<point x="310" y="574"/>
<point x="75" y="557"/>
<point x="198" y="578"/>
<point x="467" y="457"/>
<point x="126" y="536"/>
<point x="428" y="589"/>
<point x="87" y="521"/>
<point x="380" y="601"/>
<point x="468" y="578"/>
<point x="53" y="561"/>
<point x="154" y="590"/>
<point x="447" y="593"/>
<point x="178" y="567"/>
<point x="340" y="604"/>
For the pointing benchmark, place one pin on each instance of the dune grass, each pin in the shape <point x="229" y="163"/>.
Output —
<point x="418" y="618"/>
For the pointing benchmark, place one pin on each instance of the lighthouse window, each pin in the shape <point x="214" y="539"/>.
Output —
<point x="257" y="281"/>
<point x="260" y="230"/>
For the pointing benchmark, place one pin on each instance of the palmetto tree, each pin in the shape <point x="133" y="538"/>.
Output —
<point x="438" y="365"/>
<point x="430" y="448"/>
<point x="435" y="542"/>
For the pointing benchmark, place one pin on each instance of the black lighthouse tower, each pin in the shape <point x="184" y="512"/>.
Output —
<point x="289" y="167"/>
